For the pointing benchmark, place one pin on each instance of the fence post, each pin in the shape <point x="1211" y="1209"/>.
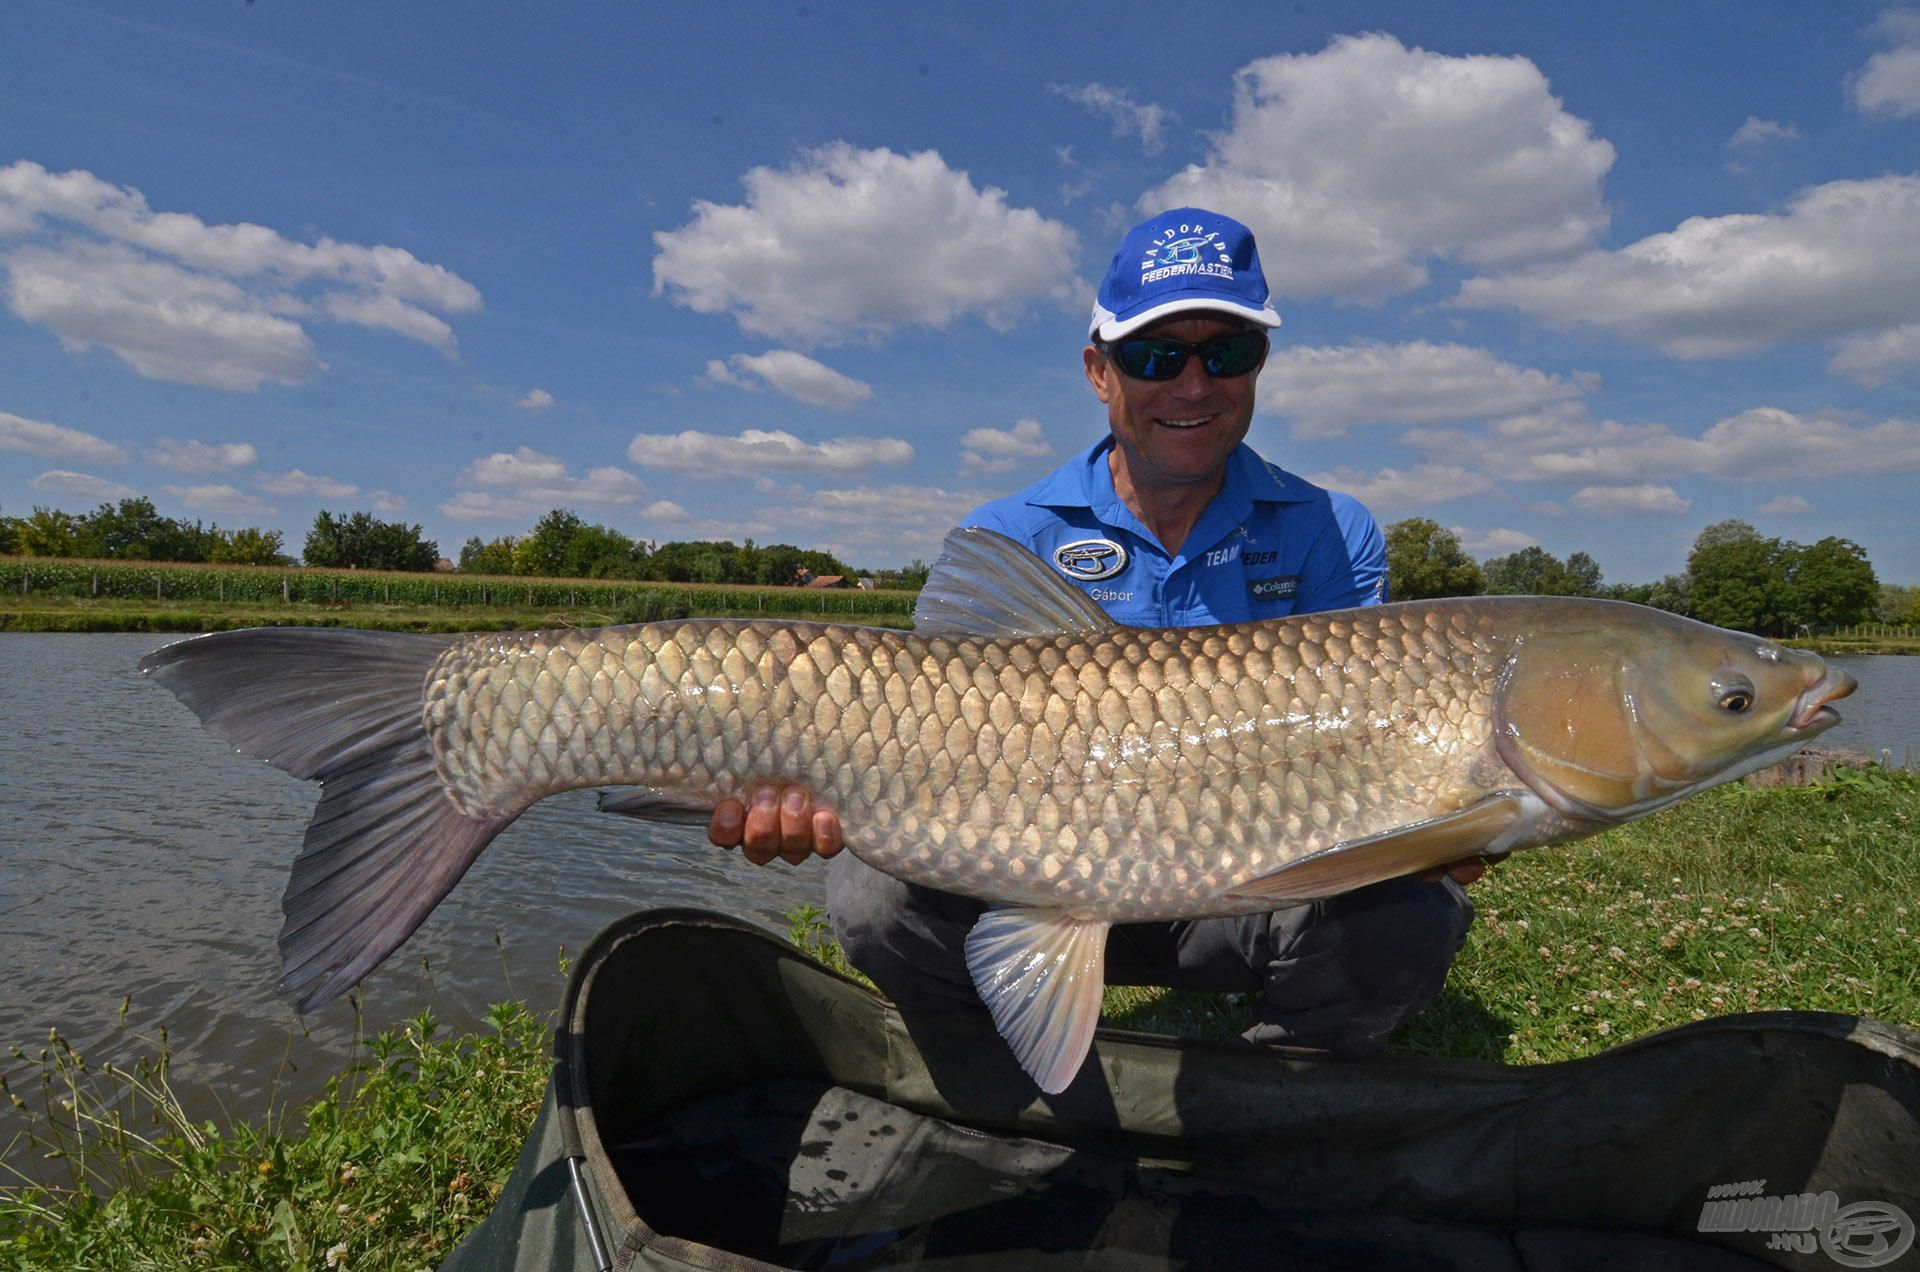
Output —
<point x="286" y="596"/>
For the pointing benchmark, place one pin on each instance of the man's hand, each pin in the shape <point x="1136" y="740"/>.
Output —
<point x="1462" y="872"/>
<point x="780" y="822"/>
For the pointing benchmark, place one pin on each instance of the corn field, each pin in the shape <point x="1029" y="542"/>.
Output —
<point x="276" y="585"/>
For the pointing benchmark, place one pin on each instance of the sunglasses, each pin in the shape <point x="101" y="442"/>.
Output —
<point x="1158" y="358"/>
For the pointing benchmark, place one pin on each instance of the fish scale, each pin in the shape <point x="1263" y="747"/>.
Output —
<point x="1140" y="773"/>
<point x="1016" y="747"/>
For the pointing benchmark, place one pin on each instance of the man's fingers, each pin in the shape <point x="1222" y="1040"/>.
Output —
<point x="796" y="825"/>
<point x="826" y="832"/>
<point x="1462" y="872"/>
<point x="728" y="824"/>
<point x="761" y="841"/>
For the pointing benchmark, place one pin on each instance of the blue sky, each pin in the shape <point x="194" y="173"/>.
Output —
<point x="1590" y="277"/>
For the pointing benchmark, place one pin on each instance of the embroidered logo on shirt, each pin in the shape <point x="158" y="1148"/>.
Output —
<point x="1090" y="559"/>
<point x="1278" y="589"/>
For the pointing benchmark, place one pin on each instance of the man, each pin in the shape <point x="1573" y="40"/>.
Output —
<point x="1172" y="520"/>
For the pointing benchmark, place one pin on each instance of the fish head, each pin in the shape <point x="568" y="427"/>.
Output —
<point x="1625" y="710"/>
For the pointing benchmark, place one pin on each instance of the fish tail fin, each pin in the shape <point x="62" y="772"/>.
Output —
<point x="346" y="708"/>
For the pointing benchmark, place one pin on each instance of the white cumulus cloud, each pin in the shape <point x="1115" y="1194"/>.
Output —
<point x="297" y="482"/>
<point x="1492" y="543"/>
<point x="846" y="245"/>
<point x="386" y="502"/>
<point x="1785" y="506"/>
<point x="527" y="483"/>
<point x="219" y="500"/>
<point x="1325" y="391"/>
<point x="1888" y="86"/>
<point x="536" y="400"/>
<point x="1117" y="107"/>
<point x="178" y="299"/>
<point x="664" y="510"/>
<point x="1387" y="491"/>
<point x="1758" y="134"/>
<point x="793" y="375"/>
<point x="52" y="441"/>
<point x="1875" y="358"/>
<point x="764" y="452"/>
<point x="1842" y="261"/>
<point x="60" y="481"/>
<point x="1356" y="165"/>
<point x="1624" y="501"/>
<point x="193" y="456"/>
<point x="997" y="450"/>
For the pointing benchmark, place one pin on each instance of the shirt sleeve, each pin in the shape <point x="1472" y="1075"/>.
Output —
<point x="1348" y="565"/>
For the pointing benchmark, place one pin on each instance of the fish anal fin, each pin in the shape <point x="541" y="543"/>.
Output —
<point x="1483" y="826"/>
<point x="649" y="803"/>
<point x="1041" y="973"/>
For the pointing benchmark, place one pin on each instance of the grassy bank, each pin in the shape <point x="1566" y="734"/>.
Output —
<point x="1738" y="900"/>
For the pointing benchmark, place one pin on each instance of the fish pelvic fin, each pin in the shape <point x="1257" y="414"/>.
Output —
<point x="345" y="708"/>
<point x="985" y="584"/>
<point x="650" y="803"/>
<point x="1488" y="825"/>
<point x="1041" y="973"/>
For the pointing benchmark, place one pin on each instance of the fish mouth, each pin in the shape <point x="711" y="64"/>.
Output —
<point x="1814" y="714"/>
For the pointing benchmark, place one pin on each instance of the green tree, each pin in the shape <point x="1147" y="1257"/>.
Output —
<point x="1737" y="578"/>
<point x="544" y="550"/>
<point x="9" y="535"/>
<point x="134" y="530"/>
<point x="251" y="546"/>
<point x="494" y="556"/>
<point x="47" y="532"/>
<point x="362" y="542"/>
<point x="1900" y="604"/>
<point x="1832" y="585"/>
<point x="1534" y="571"/>
<point x="1424" y="559"/>
<point x="1583" y="575"/>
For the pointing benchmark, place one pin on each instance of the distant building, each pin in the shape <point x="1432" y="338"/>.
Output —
<point x="443" y="564"/>
<point x="828" y="580"/>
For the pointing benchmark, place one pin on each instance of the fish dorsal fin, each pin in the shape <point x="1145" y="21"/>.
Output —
<point x="985" y="584"/>
<point x="1483" y="827"/>
<point x="1041" y="973"/>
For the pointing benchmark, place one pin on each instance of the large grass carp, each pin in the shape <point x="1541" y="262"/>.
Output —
<point x="1017" y="746"/>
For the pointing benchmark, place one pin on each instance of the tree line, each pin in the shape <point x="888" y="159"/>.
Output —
<point x="1734" y="577"/>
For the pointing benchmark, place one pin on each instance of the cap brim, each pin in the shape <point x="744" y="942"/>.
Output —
<point x="1107" y="327"/>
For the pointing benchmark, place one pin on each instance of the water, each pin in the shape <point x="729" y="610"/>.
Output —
<point x="141" y="856"/>
<point x="1883" y="717"/>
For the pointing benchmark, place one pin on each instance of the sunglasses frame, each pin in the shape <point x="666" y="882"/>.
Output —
<point x="1180" y="351"/>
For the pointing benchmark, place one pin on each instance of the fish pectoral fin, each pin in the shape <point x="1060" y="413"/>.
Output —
<point x="985" y="584"/>
<point x="1480" y="827"/>
<point x="1041" y="974"/>
<point x="650" y="803"/>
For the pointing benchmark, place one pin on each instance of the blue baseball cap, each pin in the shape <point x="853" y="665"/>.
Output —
<point x="1182" y="260"/>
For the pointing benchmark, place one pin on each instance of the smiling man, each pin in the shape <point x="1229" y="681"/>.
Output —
<point x="1171" y="520"/>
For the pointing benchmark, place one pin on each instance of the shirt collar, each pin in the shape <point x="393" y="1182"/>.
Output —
<point x="1086" y="482"/>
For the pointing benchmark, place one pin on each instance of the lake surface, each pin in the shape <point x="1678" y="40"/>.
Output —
<point x="141" y="856"/>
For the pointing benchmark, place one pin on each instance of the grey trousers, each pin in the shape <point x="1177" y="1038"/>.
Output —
<point x="1341" y="973"/>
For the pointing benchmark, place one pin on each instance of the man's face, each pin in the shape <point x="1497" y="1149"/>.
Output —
<point x="1176" y="432"/>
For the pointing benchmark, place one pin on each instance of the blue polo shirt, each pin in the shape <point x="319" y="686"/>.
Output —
<point x="1269" y="545"/>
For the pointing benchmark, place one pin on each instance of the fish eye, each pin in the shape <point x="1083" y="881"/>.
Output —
<point x="1733" y="693"/>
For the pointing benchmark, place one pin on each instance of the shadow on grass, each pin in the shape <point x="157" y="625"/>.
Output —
<point x="1457" y="1025"/>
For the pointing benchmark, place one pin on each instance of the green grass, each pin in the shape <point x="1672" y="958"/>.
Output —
<point x="389" y="1169"/>
<point x="1738" y="900"/>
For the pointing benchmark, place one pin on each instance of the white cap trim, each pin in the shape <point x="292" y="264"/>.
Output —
<point x="1106" y="328"/>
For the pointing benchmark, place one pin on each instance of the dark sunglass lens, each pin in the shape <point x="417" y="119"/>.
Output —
<point x="1236" y="354"/>
<point x="1148" y="359"/>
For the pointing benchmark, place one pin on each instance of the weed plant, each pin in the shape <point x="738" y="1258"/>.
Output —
<point x="389" y="1169"/>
